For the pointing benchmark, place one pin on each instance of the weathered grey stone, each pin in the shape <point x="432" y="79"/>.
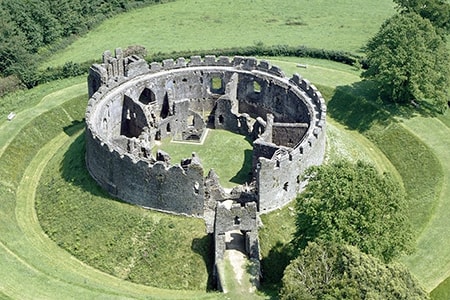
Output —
<point x="133" y="105"/>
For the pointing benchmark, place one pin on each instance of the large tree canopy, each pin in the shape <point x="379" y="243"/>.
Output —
<point x="353" y="204"/>
<point x="409" y="61"/>
<point x="29" y="28"/>
<point x="437" y="11"/>
<point x="330" y="271"/>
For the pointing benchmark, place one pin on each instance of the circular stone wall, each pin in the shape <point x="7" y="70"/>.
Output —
<point x="133" y="105"/>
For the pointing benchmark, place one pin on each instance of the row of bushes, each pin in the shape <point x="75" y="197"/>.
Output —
<point x="71" y="69"/>
<point x="259" y="49"/>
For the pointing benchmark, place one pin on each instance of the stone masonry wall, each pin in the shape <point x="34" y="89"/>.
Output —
<point x="224" y="92"/>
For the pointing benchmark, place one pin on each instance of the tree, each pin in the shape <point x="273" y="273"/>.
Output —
<point x="14" y="58"/>
<point x="437" y="11"/>
<point x="353" y="204"/>
<point x="409" y="61"/>
<point x="332" y="271"/>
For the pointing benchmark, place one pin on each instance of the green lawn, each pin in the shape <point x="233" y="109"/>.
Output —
<point x="343" y="142"/>
<point x="207" y="24"/>
<point x="229" y="154"/>
<point x="431" y="261"/>
<point x="126" y="241"/>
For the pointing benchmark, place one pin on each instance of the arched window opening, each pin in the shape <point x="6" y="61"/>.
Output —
<point x="147" y="96"/>
<point x="196" y="187"/>
<point x="216" y="84"/>
<point x="191" y="120"/>
<point x="165" y="109"/>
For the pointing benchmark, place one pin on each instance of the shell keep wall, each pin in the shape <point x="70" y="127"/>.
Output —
<point x="133" y="105"/>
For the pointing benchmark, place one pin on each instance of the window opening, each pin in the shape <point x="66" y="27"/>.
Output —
<point x="165" y="107"/>
<point x="256" y="87"/>
<point x="196" y="187"/>
<point x="190" y="120"/>
<point x="216" y="83"/>
<point x="147" y="96"/>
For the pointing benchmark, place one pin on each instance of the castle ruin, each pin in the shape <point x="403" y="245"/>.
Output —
<point x="133" y="105"/>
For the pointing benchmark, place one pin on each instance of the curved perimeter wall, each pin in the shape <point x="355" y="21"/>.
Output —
<point x="133" y="104"/>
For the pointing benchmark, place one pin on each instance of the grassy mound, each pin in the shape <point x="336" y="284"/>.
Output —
<point x="407" y="145"/>
<point x="126" y="241"/>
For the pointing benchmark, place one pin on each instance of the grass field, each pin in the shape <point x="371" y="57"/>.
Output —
<point x="120" y="239"/>
<point x="206" y="24"/>
<point x="434" y="238"/>
<point x="37" y="147"/>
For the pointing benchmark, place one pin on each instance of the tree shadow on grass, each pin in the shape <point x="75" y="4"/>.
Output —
<point x="273" y="266"/>
<point x="359" y="107"/>
<point x="202" y="246"/>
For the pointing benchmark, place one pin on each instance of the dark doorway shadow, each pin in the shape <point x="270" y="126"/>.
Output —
<point x="236" y="241"/>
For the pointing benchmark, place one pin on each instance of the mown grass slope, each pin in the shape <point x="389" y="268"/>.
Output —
<point x="126" y="241"/>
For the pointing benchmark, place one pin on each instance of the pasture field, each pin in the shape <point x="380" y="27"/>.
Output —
<point x="207" y="24"/>
<point x="41" y="156"/>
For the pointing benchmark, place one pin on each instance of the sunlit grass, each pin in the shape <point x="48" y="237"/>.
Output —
<point x="229" y="154"/>
<point x="208" y="24"/>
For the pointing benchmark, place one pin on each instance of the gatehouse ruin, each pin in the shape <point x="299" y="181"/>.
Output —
<point x="134" y="104"/>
